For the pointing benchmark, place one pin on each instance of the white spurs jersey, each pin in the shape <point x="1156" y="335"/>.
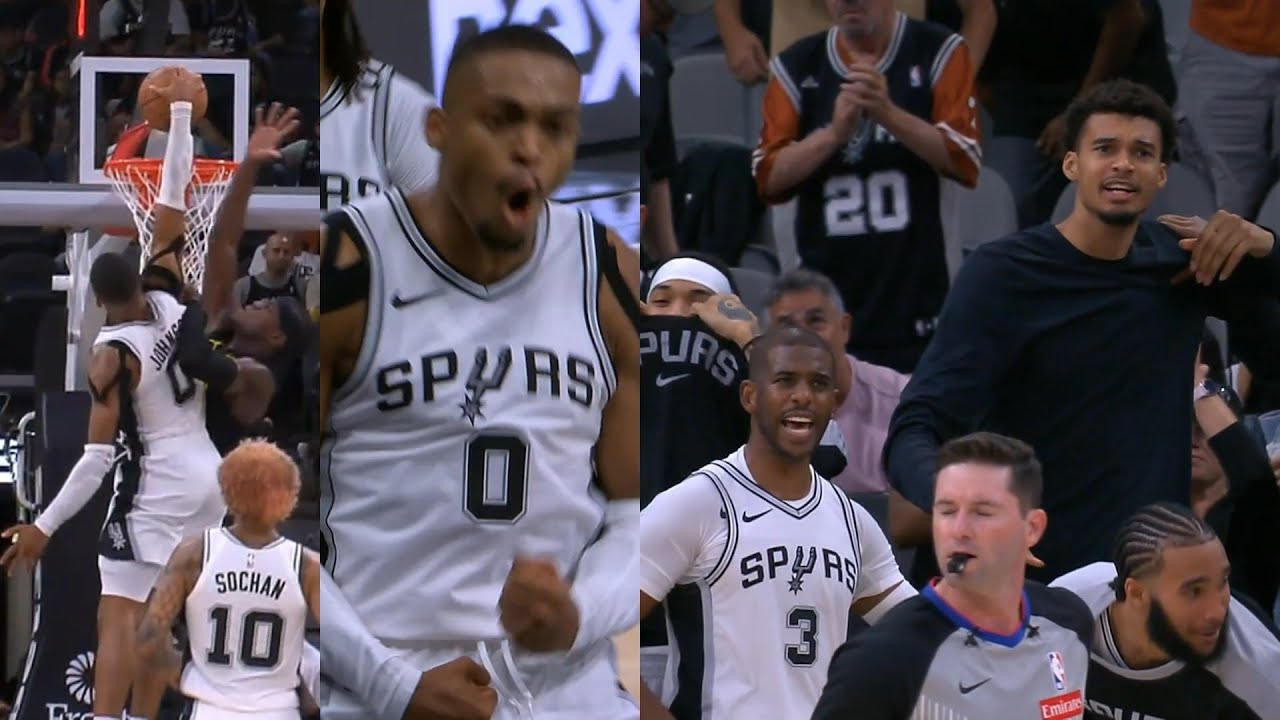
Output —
<point x="776" y="581"/>
<point x="465" y="434"/>
<point x="373" y="136"/>
<point x="166" y="467"/>
<point x="246" y="617"/>
<point x="166" y="404"/>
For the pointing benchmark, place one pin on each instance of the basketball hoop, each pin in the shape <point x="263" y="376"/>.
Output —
<point x="137" y="182"/>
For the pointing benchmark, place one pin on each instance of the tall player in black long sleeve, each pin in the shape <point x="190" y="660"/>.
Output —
<point x="1080" y="338"/>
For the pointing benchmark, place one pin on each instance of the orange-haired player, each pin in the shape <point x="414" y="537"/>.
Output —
<point x="246" y="592"/>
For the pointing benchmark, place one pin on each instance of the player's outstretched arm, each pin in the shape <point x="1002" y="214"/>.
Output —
<point x="109" y="368"/>
<point x="170" y="209"/>
<point x="271" y="128"/>
<point x="168" y="599"/>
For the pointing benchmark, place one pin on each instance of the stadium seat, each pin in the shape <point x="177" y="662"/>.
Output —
<point x="707" y="101"/>
<point x="973" y="217"/>
<point x="1269" y="213"/>
<point x="782" y="221"/>
<point x="754" y="287"/>
<point x="1186" y="193"/>
<point x="759" y="257"/>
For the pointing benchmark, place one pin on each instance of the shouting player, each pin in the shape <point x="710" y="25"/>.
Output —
<point x="245" y="591"/>
<point x="1169" y="640"/>
<point x="372" y="120"/>
<point x="779" y="553"/>
<point x="480" y="389"/>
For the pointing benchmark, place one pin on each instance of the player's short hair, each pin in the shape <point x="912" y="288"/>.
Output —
<point x="259" y="481"/>
<point x="783" y="336"/>
<point x="987" y="448"/>
<point x="505" y="37"/>
<point x="1143" y="538"/>
<point x="295" y="324"/>
<point x="114" y="278"/>
<point x="1122" y="97"/>
<point x="803" y="280"/>
<point x="345" y="52"/>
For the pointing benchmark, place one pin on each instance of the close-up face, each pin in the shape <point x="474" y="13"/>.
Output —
<point x="791" y="400"/>
<point x="1188" y="600"/>
<point x="814" y="311"/>
<point x="259" y="322"/>
<point x="676" y="298"/>
<point x="1116" y="166"/>
<point x="976" y="514"/>
<point x="507" y="138"/>
<point x="857" y="18"/>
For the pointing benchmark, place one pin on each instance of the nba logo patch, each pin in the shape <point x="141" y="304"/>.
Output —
<point x="1059" y="670"/>
<point x="914" y="76"/>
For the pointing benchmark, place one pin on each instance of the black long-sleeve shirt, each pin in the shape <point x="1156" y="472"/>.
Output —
<point x="1090" y="361"/>
<point x="1248" y="518"/>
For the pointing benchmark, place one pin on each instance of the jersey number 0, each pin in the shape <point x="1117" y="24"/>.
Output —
<point x="497" y="476"/>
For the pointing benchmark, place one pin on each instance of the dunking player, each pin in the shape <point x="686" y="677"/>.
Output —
<point x="480" y="366"/>
<point x="246" y="592"/>
<point x="1170" y="641"/>
<point x="143" y="402"/>
<point x="779" y="553"/>
<point x="372" y="120"/>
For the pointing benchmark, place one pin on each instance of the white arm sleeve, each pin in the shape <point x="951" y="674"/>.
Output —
<point x="878" y="570"/>
<point x="178" y="158"/>
<point x="83" y="481"/>
<point x="604" y="589"/>
<point x="179" y="24"/>
<point x="412" y="164"/>
<point x="354" y="658"/>
<point x="109" y="19"/>
<point x="681" y="536"/>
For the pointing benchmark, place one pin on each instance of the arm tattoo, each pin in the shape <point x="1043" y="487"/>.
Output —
<point x="734" y="311"/>
<point x="167" y="600"/>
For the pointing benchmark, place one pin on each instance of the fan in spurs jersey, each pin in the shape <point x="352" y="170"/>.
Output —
<point x="1170" y="641"/>
<point x="480" y="396"/>
<point x="779" y="553"/>
<point x="371" y="119"/>
<point x="245" y="592"/>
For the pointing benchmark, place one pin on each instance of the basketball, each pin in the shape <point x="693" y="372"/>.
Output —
<point x="155" y="96"/>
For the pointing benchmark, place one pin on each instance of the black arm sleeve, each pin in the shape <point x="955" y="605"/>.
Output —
<point x="1244" y="461"/>
<point x="341" y="287"/>
<point x="876" y="675"/>
<point x="953" y="385"/>
<point x="196" y="355"/>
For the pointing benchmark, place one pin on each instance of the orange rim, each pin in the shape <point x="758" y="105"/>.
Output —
<point x="203" y="170"/>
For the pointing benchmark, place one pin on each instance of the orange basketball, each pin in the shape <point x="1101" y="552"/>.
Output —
<point x="157" y="92"/>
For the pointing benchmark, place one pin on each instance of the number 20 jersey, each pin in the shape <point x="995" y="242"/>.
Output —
<point x="465" y="434"/>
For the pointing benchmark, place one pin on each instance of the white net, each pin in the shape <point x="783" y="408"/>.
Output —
<point x="137" y="182"/>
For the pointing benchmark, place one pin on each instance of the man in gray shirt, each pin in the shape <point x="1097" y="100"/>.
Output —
<point x="279" y="279"/>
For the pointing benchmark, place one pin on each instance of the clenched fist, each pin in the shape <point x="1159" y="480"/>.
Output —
<point x="536" y="608"/>
<point x="456" y="690"/>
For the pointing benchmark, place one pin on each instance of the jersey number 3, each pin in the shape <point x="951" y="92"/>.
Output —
<point x="261" y="634"/>
<point x="497" y="476"/>
<point x="804" y="619"/>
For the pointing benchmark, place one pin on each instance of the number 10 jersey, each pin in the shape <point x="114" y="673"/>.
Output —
<point x="465" y="435"/>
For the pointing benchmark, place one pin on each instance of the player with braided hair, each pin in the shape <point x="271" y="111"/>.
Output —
<point x="1170" y="640"/>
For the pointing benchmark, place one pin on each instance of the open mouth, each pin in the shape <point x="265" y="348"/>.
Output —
<point x="798" y="425"/>
<point x="1119" y="190"/>
<point x="520" y="201"/>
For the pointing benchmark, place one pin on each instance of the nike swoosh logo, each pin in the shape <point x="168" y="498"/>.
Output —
<point x="752" y="518"/>
<point x="966" y="689"/>
<point x="665" y="381"/>
<point x="398" y="302"/>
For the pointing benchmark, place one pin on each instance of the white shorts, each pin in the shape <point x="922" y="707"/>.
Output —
<point x="586" y="689"/>
<point x="205" y="711"/>
<point x="128" y="579"/>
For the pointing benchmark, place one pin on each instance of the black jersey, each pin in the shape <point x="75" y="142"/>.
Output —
<point x="1242" y="684"/>
<point x="924" y="660"/>
<point x="870" y="217"/>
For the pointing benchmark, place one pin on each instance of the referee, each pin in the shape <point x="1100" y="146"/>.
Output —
<point x="982" y="642"/>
